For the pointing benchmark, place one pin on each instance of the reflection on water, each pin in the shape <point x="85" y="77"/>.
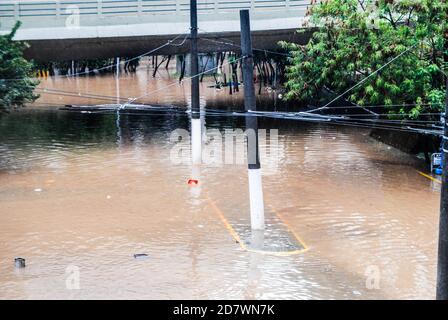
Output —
<point x="141" y="87"/>
<point x="89" y="191"/>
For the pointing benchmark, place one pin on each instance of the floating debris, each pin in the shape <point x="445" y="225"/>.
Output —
<point x="19" y="263"/>
<point x="193" y="182"/>
<point x="141" y="256"/>
<point x="120" y="107"/>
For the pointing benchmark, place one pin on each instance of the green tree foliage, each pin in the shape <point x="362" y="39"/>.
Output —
<point x="353" y="38"/>
<point x="16" y="83"/>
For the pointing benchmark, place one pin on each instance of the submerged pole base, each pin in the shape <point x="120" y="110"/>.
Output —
<point x="256" y="199"/>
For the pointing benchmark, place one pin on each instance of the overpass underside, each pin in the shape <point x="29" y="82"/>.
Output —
<point x="59" y="30"/>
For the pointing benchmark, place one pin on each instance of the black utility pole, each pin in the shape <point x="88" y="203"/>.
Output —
<point x="253" y="158"/>
<point x="249" y="90"/>
<point x="442" y="263"/>
<point x="194" y="59"/>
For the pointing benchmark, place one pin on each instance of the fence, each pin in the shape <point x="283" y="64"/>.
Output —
<point x="57" y="8"/>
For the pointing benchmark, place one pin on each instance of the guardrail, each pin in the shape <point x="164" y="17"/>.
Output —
<point x="58" y="8"/>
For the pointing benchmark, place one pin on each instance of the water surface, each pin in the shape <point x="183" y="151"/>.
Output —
<point x="88" y="191"/>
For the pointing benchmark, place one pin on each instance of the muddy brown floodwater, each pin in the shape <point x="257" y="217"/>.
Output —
<point x="81" y="194"/>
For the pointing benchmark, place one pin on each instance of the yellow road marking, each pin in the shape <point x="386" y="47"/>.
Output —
<point x="228" y="226"/>
<point x="429" y="177"/>
<point x="298" y="238"/>
<point x="237" y="238"/>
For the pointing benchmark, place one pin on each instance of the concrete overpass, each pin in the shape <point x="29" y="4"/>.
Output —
<point x="83" y="29"/>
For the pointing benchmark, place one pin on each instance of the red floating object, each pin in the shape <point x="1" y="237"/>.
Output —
<point x="193" y="182"/>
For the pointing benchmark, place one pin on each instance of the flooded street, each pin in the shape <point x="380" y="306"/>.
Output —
<point x="87" y="191"/>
